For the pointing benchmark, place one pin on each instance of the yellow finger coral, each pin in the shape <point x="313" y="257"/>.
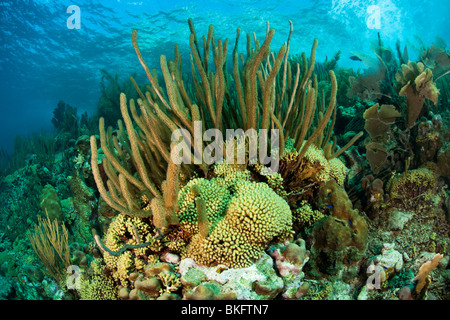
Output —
<point x="127" y="231"/>
<point x="305" y="216"/>
<point x="97" y="286"/>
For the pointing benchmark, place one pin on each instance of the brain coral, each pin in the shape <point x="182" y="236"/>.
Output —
<point x="244" y="218"/>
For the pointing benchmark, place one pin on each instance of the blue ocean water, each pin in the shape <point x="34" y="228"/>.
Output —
<point x="42" y="61"/>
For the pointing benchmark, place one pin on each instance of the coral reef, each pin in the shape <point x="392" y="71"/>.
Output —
<point x="193" y="230"/>
<point x="356" y="207"/>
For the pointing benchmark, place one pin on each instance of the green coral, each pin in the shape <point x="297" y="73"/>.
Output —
<point x="50" y="203"/>
<point x="215" y="195"/>
<point x="244" y="217"/>
<point x="402" y="279"/>
<point x="97" y="286"/>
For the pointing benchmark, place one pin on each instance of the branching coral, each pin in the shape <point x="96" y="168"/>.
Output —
<point x="50" y="241"/>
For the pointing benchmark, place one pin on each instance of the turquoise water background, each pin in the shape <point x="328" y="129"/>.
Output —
<point x="42" y="61"/>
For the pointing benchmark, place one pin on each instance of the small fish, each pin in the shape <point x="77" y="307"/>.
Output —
<point x="350" y="223"/>
<point x="221" y="269"/>
<point x="355" y="58"/>
<point x="329" y="206"/>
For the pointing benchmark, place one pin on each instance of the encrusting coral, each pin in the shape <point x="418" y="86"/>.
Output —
<point x="341" y="236"/>
<point x="50" y="203"/>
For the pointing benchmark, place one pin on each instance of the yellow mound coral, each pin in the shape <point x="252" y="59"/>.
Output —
<point x="231" y="218"/>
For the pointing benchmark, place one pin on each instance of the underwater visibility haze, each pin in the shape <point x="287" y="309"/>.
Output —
<point x="224" y="150"/>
